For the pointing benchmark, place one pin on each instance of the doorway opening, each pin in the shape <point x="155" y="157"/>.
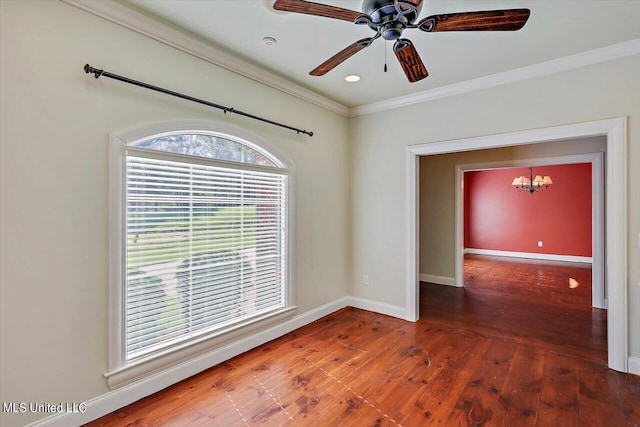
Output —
<point x="614" y="223"/>
<point x="540" y="222"/>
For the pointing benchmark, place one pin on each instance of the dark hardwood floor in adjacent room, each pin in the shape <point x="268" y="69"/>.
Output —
<point x="542" y="303"/>
<point x="500" y="352"/>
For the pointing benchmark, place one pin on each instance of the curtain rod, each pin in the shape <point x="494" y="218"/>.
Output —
<point x="97" y="72"/>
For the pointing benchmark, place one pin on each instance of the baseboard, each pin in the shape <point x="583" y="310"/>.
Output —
<point x="438" y="280"/>
<point x="112" y="400"/>
<point x="633" y="365"/>
<point x="530" y="255"/>
<point x="378" y="307"/>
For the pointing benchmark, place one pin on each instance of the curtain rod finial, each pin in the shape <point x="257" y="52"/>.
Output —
<point x="89" y="69"/>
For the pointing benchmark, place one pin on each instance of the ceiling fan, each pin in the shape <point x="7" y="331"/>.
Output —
<point x="389" y="18"/>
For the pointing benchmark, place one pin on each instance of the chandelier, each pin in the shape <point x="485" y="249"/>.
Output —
<point x="531" y="184"/>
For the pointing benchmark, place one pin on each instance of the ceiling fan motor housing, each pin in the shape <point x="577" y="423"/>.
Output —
<point x="384" y="16"/>
<point x="382" y="11"/>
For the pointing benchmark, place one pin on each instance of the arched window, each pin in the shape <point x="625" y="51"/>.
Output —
<point x="203" y="241"/>
<point x="209" y="146"/>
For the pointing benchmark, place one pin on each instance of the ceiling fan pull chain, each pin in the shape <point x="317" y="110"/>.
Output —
<point x="385" y="55"/>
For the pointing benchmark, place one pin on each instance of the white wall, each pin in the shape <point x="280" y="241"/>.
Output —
<point x="378" y="141"/>
<point x="54" y="128"/>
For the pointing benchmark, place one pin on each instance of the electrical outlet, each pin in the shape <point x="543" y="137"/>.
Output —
<point x="365" y="281"/>
<point x="539" y="243"/>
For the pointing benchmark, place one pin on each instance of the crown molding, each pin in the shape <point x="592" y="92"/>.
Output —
<point x="590" y="57"/>
<point x="145" y="25"/>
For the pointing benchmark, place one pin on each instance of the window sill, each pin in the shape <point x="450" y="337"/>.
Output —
<point x="207" y="345"/>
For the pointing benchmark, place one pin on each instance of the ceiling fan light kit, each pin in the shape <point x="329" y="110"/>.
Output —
<point x="389" y="19"/>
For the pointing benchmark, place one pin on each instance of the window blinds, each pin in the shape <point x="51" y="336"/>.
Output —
<point x="205" y="249"/>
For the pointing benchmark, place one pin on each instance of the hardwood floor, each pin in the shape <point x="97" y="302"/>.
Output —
<point x="496" y="353"/>
<point x="543" y="304"/>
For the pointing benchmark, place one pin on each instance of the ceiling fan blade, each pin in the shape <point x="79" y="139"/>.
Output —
<point x="341" y="56"/>
<point x="488" y="20"/>
<point x="311" y="8"/>
<point x="410" y="60"/>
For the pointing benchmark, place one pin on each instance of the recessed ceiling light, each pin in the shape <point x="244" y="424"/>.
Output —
<point x="269" y="41"/>
<point x="352" y="78"/>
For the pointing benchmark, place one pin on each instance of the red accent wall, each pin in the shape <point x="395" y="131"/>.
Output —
<point x="497" y="217"/>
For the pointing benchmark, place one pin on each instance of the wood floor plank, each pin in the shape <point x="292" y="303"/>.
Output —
<point x="559" y="398"/>
<point x="520" y="393"/>
<point x="608" y="397"/>
<point x="412" y="370"/>
<point x="457" y="360"/>
<point x="479" y="401"/>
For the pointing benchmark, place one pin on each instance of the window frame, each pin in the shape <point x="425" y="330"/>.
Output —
<point x="119" y="371"/>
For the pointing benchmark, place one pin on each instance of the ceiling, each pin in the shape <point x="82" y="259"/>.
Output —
<point x="556" y="29"/>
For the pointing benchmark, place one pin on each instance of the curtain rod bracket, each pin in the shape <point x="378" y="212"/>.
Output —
<point x="88" y="69"/>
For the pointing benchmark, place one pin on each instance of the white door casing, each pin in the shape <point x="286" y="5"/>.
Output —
<point x="615" y="224"/>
